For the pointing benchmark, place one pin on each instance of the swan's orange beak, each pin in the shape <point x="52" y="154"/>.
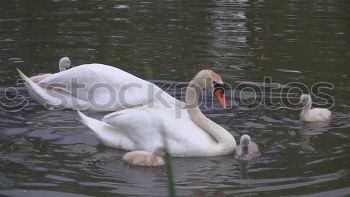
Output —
<point x="219" y="94"/>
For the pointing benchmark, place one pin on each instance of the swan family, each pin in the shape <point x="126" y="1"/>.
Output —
<point x="145" y="118"/>
<point x="146" y="128"/>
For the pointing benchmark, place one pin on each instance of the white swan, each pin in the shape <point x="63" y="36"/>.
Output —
<point x="95" y="87"/>
<point x="315" y="114"/>
<point x="144" y="158"/>
<point x="63" y="65"/>
<point x="247" y="149"/>
<point x="187" y="132"/>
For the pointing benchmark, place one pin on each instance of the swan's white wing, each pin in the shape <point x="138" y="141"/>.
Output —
<point x="148" y="127"/>
<point x="38" y="92"/>
<point x="105" y="88"/>
<point x="140" y="124"/>
<point x="38" y="78"/>
<point x="51" y="96"/>
<point x="319" y="114"/>
<point x="108" y="135"/>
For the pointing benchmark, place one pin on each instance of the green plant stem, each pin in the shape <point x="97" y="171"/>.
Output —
<point x="169" y="171"/>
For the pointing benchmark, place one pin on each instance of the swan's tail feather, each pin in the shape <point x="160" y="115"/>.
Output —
<point x="107" y="134"/>
<point x="28" y="82"/>
<point x="90" y="122"/>
<point x="83" y="117"/>
<point x="38" y="92"/>
<point x="23" y="76"/>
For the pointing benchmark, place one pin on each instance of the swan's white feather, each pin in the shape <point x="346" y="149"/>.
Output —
<point x="148" y="127"/>
<point x="316" y="114"/>
<point x="110" y="136"/>
<point x="97" y="87"/>
<point x="183" y="132"/>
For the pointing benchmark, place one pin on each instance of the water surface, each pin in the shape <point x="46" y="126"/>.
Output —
<point x="50" y="153"/>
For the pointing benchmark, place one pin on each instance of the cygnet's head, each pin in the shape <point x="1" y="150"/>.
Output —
<point x="160" y="151"/>
<point x="244" y="142"/>
<point x="64" y="63"/>
<point x="305" y="99"/>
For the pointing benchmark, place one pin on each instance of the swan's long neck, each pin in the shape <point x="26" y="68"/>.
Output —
<point x="62" y="67"/>
<point x="307" y="107"/>
<point x="222" y="136"/>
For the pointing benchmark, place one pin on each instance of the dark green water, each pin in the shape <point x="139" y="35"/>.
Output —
<point x="50" y="153"/>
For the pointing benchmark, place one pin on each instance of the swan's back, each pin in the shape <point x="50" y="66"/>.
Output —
<point x="92" y="73"/>
<point x="149" y="126"/>
<point x="101" y="87"/>
<point x="317" y="114"/>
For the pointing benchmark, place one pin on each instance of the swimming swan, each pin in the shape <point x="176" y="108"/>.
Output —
<point x="144" y="158"/>
<point x="315" y="114"/>
<point x="247" y="149"/>
<point x="94" y="87"/>
<point x="187" y="132"/>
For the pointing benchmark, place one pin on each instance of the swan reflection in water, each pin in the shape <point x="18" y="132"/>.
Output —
<point x="309" y="129"/>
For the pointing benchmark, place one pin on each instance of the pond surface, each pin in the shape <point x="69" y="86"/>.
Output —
<point x="50" y="153"/>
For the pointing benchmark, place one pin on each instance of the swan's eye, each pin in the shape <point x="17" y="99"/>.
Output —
<point x="219" y="86"/>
